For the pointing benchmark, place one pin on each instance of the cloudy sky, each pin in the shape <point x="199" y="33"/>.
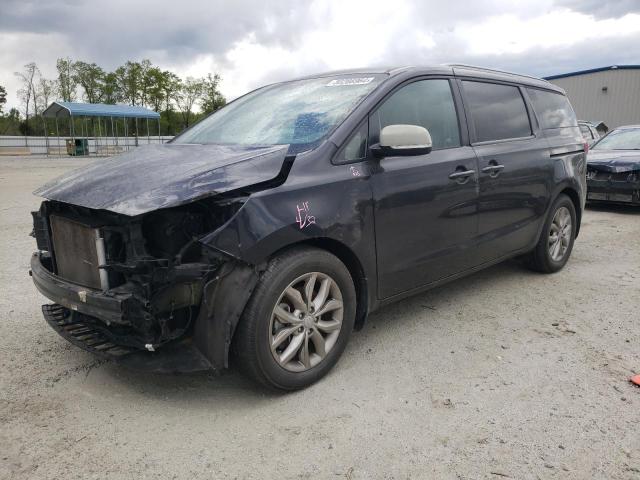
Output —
<point x="252" y="42"/>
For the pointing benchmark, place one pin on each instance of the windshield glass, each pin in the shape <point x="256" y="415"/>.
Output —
<point x="298" y="113"/>
<point x="623" y="139"/>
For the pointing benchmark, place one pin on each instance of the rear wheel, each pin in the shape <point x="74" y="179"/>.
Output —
<point x="298" y="321"/>
<point x="556" y="241"/>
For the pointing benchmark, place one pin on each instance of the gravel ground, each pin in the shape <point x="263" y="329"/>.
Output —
<point x="504" y="374"/>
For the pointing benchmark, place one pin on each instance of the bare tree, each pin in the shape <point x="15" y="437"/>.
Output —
<point x="45" y="92"/>
<point x="27" y="92"/>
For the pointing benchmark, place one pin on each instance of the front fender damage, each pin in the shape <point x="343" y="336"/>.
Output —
<point x="223" y="301"/>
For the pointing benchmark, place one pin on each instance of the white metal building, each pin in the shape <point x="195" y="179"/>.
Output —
<point x="610" y="94"/>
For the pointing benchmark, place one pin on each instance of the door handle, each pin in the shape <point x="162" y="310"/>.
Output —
<point x="461" y="174"/>
<point x="493" y="168"/>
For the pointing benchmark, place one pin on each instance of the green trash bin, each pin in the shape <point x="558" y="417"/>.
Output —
<point x="79" y="146"/>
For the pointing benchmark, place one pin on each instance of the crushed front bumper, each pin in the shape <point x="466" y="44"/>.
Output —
<point x="110" y="309"/>
<point x="83" y="316"/>
<point x="80" y="330"/>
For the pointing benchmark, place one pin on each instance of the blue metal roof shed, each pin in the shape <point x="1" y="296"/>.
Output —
<point x="104" y="117"/>
<point x="74" y="109"/>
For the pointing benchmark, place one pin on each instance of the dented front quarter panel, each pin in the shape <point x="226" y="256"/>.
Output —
<point x="318" y="202"/>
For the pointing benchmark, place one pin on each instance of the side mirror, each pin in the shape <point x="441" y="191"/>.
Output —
<point x="403" y="140"/>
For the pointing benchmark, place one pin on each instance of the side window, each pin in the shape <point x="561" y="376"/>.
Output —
<point x="498" y="112"/>
<point x="553" y="109"/>
<point x="426" y="103"/>
<point x="355" y="148"/>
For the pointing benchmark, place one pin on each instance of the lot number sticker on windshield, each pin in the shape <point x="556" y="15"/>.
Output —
<point x="340" y="82"/>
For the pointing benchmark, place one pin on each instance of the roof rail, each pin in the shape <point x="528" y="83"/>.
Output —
<point x="485" y="69"/>
<point x="393" y="71"/>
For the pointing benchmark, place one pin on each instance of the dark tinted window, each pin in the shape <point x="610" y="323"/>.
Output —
<point x="427" y="103"/>
<point x="553" y="109"/>
<point x="498" y="111"/>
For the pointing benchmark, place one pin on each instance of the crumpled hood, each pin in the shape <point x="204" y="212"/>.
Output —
<point x="616" y="161"/>
<point x="160" y="176"/>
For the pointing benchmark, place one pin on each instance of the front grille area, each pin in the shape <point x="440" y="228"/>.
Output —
<point x="74" y="247"/>
<point x="593" y="174"/>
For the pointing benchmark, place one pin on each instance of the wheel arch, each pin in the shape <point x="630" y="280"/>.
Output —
<point x="575" y="199"/>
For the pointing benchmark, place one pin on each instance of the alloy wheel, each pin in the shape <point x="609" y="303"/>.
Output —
<point x="306" y="322"/>
<point x="560" y="234"/>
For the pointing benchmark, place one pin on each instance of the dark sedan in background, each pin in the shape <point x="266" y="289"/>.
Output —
<point x="613" y="167"/>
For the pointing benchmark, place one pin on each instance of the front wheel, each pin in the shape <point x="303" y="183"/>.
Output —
<point x="298" y="320"/>
<point x="556" y="241"/>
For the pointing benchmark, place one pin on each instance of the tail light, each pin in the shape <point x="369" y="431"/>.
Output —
<point x="586" y="147"/>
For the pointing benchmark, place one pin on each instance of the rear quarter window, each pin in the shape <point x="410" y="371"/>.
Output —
<point x="553" y="109"/>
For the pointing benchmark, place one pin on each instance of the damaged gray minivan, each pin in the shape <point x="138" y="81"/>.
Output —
<point x="269" y="231"/>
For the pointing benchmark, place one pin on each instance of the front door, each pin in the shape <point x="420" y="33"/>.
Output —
<point x="425" y="206"/>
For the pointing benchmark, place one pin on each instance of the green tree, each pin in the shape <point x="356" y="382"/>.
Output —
<point x="128" y="81"/>
<point x="189" y="94"/>
<point x="91" y="79"/>
<point x="110" y="89"/>
<point x="3" y="98"/>
<point x="66" y="80"/>
<point x="10" y="123"/>
<point x="145" y="81"/>
<point x="211" y="99"/>
<point x="154" y="80"/>
<point x="172" y="85"/>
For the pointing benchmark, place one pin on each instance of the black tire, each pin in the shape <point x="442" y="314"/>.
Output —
<point x="540" y="259"/>
<point x="251" y="342"/>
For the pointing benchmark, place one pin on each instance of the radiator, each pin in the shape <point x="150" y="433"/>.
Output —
<point x="75" y="247"/>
